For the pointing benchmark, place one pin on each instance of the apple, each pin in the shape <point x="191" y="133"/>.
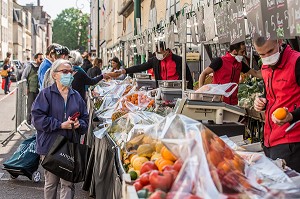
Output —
<point x="144" y="179"/>
<point x="160" y="180"/>
<point x="168" y="168"/>
<point x="138" y="186"/>
<point x="148" y="166"/>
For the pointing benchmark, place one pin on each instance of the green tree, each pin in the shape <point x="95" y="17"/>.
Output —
<point x="70" y="29"/>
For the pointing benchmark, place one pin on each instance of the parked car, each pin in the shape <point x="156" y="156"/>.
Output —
<point x="18" y="68"/>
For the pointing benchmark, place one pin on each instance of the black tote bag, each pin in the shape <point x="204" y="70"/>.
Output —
<point x="67" y="160"/>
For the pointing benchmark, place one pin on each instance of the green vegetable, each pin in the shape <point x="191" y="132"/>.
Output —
<point x="143" y="193"/>
<point x="133" y="175"/>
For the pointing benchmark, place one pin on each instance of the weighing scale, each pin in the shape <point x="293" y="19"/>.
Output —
<point x="219" y="117"/>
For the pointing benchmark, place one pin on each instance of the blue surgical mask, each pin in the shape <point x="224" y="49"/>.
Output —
<point x="66" y="79"/>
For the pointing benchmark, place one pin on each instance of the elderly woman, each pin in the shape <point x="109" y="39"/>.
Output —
<point x="81" y="79"/>
<point x="51" y="114"/>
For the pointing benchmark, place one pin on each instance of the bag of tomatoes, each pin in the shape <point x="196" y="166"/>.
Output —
<point x="135" y="101"/>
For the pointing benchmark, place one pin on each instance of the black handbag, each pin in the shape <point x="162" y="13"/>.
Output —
<point x="67" y="160"/>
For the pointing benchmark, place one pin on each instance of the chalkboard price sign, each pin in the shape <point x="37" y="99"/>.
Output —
<point x="222" y="21"/>
<point x="268" y="18"/>
<point x="236" y="21"/>
<point x="293" y="7"/>
<point x="254" y="18"/>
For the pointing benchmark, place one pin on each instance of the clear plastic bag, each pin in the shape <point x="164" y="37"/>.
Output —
<point x="218" y="89"/>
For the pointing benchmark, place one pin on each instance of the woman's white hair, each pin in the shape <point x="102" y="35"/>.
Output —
<point x="48" y="78"/>
<point x="75" y="58"/>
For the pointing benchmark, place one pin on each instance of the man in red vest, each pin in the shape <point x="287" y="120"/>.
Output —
<point x="227" y="69"/>
<point x="165" y="65"/>
<point x="281" y="74"/>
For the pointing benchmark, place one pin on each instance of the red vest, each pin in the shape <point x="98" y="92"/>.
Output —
<point x="282" y="91"/>
<point x="229" y="72"/>
<point x="168" y="69"/>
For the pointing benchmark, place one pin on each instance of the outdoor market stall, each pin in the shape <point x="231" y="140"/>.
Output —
<point x="137" y="131"/>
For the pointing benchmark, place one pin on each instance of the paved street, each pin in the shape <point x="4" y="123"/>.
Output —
<point x="21" y="187"/>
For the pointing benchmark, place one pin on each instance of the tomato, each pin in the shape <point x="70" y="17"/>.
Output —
<point x="138" y="186"/>
<point x="148" y="166"/>
<point x="178" y="164"/>
<point x="158" y="195"/>
<point x="162" y="181"/>
<point x="144" y="179"/>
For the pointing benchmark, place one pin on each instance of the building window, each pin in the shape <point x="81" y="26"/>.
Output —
<point x="152" y="15"/>
<point x="172" y="7"/>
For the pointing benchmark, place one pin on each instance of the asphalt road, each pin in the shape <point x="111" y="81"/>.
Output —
<point x="21" y="187"/>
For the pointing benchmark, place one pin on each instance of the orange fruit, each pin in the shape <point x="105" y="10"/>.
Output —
<point x="167" y="155"/>
<point x="280" y="113"/>
<point x="225" y="166"/>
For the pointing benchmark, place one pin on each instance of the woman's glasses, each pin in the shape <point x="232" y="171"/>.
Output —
<point x="65" y="71"/>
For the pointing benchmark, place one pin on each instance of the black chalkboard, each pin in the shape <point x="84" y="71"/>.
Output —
<point x="236" y="21"/>
<point x="293" y="7"/>
<point x="275" y="15"/>
<point x="254" y="18"/>
<point x="222" y="21"/>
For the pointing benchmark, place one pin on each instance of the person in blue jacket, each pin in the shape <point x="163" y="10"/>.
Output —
<point x="51" y="114"/>
<point x="53" y="52"/>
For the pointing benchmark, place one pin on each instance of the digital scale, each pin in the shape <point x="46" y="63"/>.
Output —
<point x="219" y="117"/>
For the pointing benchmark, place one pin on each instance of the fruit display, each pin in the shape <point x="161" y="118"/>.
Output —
<point x="226" y="167"/>
<point x="139" y="99"/>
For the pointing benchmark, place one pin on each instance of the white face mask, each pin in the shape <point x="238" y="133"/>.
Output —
<point x="159" y="56"/>
<point x="239" y="58"/>
<point x="271" y="60"/>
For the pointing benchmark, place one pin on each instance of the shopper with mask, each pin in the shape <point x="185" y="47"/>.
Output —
<point x="30" y="74"/>
<point x="281" y="74"/>
<point x="227" y="69"/>
<point x="51" y="112"/>
<point x="166" y="66"/>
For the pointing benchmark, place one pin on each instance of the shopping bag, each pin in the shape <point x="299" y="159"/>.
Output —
<point x="67" y="160"/>
<point x="25" y="157"/>
<point x="4" y="73"/>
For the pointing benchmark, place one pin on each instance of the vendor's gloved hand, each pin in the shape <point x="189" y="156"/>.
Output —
<point x="260" y="103"/>
<point x="288" y="118"/>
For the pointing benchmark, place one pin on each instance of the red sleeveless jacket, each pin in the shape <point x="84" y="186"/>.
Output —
<point x="229" y="72"/>
<point x="282" y="91"/>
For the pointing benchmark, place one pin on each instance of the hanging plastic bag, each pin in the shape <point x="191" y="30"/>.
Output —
<point x="218" y="89"/>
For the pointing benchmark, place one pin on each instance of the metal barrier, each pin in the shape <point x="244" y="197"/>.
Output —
<point x="20" y="112"/>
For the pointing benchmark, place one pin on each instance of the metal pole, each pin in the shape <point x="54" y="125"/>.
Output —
<point x="183" y="69"/>
<point x="203" y="57"/>
<point x="251" y="57"/>
<point x="137" y="14"/>
<point x="98" y="20"/>
<point x="90" y="49"/>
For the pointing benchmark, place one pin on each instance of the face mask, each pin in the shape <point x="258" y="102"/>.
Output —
<point x="271" y="60"/>
<point x="239" y="58"/>
<point x="66" y="79"/>
<point x="159" y="56"/>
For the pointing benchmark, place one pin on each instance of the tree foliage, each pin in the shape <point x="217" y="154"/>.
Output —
<point x="70" y="29"/>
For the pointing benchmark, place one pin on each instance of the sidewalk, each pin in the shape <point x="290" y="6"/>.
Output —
<point x="21" y="187"/>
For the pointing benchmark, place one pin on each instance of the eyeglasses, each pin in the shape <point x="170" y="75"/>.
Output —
<point x="65" y="71"/>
